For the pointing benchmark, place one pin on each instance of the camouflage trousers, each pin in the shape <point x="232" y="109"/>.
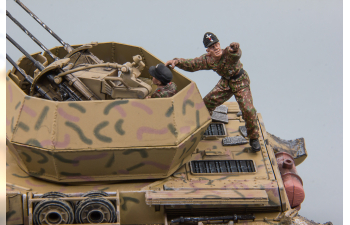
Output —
<point x="243" y="96"/>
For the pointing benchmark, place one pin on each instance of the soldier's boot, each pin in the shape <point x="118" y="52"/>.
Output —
<point x="254" y="143"/>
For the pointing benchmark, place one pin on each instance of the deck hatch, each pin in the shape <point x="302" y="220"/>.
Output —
<point x="215" y="129"/>
<point x="222" y="166"/>
<point x="236" y="140"/>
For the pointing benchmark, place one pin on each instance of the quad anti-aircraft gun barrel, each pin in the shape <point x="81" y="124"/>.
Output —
<point x="66" y="46"/>
<point x="66" y="92"/>
<point x="125" y="86"/>
<point x="43" y="91"/>
<point x="73" y="89"/>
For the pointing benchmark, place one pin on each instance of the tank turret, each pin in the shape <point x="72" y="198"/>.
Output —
<point x="125" y="138"/>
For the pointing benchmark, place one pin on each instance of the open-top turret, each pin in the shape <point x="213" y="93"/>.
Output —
<point x="125" y="138"/>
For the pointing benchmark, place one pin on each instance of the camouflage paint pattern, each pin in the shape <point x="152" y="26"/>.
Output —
<point x="165" y="91"/>
<point x="133" y="203"/>
<point x="133" y="195"/>
<point x="210" y="197"/>
<point x="60" y="141"/>
<point x="14" y="211"/>
<point x="245" y="101"/>
<point x="228" y="66"/>
<point x="109" y="164"/>
<point x="218" y="95"/>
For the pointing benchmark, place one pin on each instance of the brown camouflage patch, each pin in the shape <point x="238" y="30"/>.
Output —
<point x="245" y="102"/>
<point x="240" y="88"/>
<point x="228" y="66"/>
<point x="165" y="91"/>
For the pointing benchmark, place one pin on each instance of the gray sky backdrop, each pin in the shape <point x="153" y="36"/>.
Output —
<point x="292" y="51"/>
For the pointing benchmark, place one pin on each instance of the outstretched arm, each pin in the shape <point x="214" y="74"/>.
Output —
<point x="191" y="65"/>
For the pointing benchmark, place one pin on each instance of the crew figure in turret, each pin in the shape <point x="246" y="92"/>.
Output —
<point x="162" y="77"/>
<point x="234" y="80"/>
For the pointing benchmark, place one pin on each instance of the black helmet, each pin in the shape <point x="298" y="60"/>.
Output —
<point x="209" y="39"/>
<point x="161" y="73"/>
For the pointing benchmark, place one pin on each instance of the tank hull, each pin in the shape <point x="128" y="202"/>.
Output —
<point x="183" y="194"/>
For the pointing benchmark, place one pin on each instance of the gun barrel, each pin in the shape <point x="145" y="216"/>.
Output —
<point x="42" y="91"/>
<point x="65" y="45"/>
<point x="74" y="96"/>
<point x="36" y="63"/>
<point x="28" y="78"/>
<point x="31" y="36"/>
<point x="66" y="91"/>
<point x="76" y="82"/>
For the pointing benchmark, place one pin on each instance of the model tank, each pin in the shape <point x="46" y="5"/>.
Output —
<point x="85" y="146"/>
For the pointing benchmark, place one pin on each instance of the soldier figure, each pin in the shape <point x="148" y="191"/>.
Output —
<point x="234" y="80"/>
<point x="162" y="77"/>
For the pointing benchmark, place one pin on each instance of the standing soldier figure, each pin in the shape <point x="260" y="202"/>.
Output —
<point x="234" y="81"/>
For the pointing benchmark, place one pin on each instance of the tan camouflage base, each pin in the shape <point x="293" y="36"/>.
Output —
<point x="124" y="139"/>
<point x="218" y="95"/>
<point x="158" y="201"/>
<point x="260" y="192"/>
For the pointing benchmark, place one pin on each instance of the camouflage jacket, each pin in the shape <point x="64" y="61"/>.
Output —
<point x="228" y="66"/>
<point x="165" y="91"/>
